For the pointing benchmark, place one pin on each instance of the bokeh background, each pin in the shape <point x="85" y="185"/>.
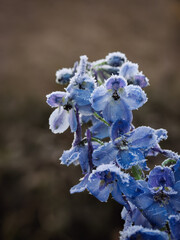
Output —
<point x="37" y="38"/>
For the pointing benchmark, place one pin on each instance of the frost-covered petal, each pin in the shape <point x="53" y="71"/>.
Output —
<point x="70" y="156"/>
<point x="115" y="110"/>
<point x="55" y="99"/>
<point x="94" y="185"/>
<point x="115" y="82"/>
<point x="72" y="120"/>
<point x="117" y="194"/>
<point x="105" y="154"/>
<point x="80" y="187"/>
<point x="141" y="80"/>
<point x="99" y="98"/>
<point x="161" y="176"/>
<point x="161" y="134"/>
<point x="140" y="233"/>
<point x="119" y="127"/>
<point x="100" y="130"/>
<point x="129" y="70"/>
<point x="63" y="75"/>
<point x="128" y="158"/>
<point x="81" y="97"/>
<point x="174" y="224"/>
<point x="134" y="96"/>
<point x="58" y="121"/>
<point x="115" y="59"/>
<point x="142" y="138"/>
<point x="156" y="214"/>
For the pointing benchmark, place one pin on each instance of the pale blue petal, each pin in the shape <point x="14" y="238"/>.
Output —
<point x="129" y="70"/>
<point x="58" y="121"/>
<point x="55" y="99"/>
<point x="116" y="110"/>
<point x="134" y="96"/>
<point x="72" y="120"/>
<point x="94" y="188"/>
<point x="128" y="158"/>
<point x="99" y="98"/>
<point x="105" y="154"/>
<point x="142" y="138"/>
<point x="80" y="187"/>
<point x="100" y="130"/>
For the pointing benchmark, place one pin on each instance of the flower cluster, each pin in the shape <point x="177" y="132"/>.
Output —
<point x="112" y="152"/>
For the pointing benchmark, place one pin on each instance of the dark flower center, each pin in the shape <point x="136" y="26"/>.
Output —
<point x="161" y="197"/>
<point x="67" y="107"/>
<point x="115" y="95"/>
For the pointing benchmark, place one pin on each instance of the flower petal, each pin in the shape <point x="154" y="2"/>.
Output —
<point x="116" y="110"/>
<point x="99" y="98"/>
<point x="105" y="154"/>
<point x="72" y="120"/>
<point x="134" y="96"/>
<point x="58" y="121"/>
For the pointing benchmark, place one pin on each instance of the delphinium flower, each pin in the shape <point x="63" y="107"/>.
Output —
<point x="128" y="149"/>
<point x="112" y="152"/>
<point x="116" y="100"/>
<point x="64" y="114"/>
<point x="161" y="196"/>
<point x="130" y="71"/>
<point x="81" y="86"/>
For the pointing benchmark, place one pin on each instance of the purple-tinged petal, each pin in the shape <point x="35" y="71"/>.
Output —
<point x="129" y="70"/>
<point x="55" y="99"/>
<point x="161" y="176"/>
<point x="58" y="121"/>
<point x="134" y="96"/>
<point x="141" y="80"/>
<point x="72" y="120"/>
<point x="115" y="82"/>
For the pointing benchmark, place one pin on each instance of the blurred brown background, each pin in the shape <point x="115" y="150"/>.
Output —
<point x="36" y="39"/>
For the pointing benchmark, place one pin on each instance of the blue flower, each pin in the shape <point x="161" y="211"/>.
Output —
<point x="109" y="179"/>
<point x="116" y="100"/>
<point x="129" y="149"/>
<point x="81" y="86"/>
<point x="115" y="59"/>
<point x="64" y="115"/>
<point x="64" y="75"/>
<point x="140" y="233"/>
<point x="77" y="155"/>
<point x="131" y="73"/>
<point x="161" y="196"/>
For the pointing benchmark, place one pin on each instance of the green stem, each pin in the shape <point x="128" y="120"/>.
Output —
<point x="97" y="140"/>
<point x="101" y="119"/>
